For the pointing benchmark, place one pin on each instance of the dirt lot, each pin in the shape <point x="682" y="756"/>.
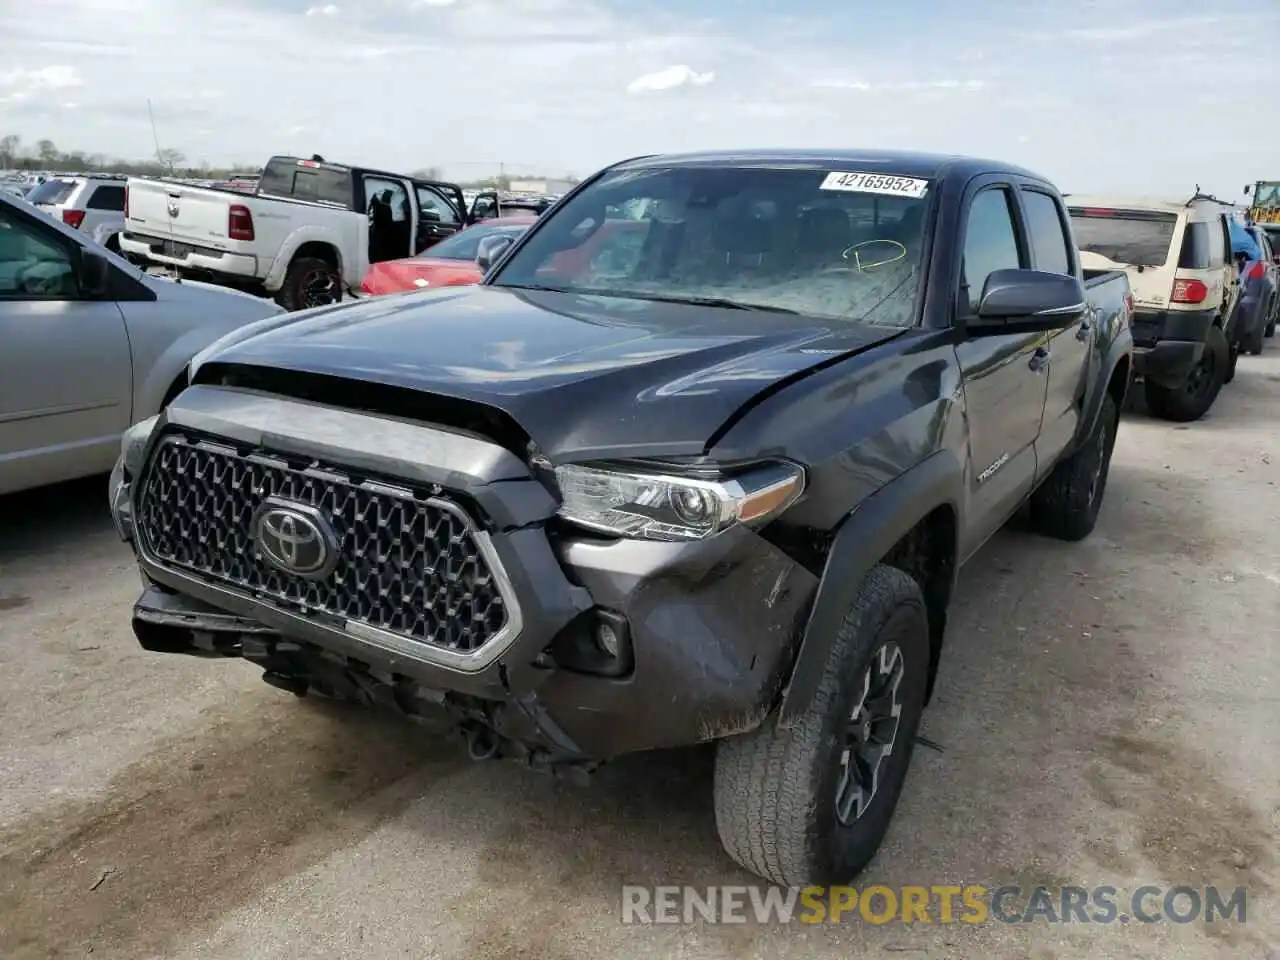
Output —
<point x="1108" y="713"/>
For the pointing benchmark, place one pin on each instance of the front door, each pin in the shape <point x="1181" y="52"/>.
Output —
<point x="66" y="378"/>
<point x="1005" y="375"/>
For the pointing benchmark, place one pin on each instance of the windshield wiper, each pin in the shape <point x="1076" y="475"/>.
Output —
<point x="658" y="297"/>
<point x="709" y="302"/>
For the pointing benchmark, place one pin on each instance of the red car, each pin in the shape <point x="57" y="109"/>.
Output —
<point x="451" y="262"/>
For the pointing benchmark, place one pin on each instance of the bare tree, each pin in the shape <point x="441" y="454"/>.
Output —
<point x="47" y="151"/>
<point x="10" y="144"/>
<point x="170" y="158"/>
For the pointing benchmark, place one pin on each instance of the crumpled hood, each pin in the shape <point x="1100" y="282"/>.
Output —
<point x="584" y="376"/>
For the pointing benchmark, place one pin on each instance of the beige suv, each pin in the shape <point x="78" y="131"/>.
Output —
<point x="1177" y="255"/>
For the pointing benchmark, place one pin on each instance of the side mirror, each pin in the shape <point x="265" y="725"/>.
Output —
<point x="94" y="274"/>
<point x="1028" y="300"/>
<point x="491" y="248"/>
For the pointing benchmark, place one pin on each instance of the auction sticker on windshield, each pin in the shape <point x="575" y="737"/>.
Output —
<point x="875" y="183"/>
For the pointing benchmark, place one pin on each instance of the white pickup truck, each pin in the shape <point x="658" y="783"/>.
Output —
<point x="307" y="234"/>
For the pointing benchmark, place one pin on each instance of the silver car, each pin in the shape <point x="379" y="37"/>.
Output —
<point x="89" y="345"/>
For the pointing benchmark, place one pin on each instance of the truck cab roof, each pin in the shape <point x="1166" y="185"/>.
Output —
<point x="907" y="163"/>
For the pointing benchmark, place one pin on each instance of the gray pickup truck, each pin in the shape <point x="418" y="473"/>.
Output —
<point x="712" y="483"/>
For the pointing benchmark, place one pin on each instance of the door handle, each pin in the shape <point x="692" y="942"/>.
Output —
<point x="1039" y="359"/>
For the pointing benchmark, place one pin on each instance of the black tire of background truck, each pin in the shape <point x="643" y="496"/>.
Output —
<point x="1191" y="400"/>
<point x="303" y="272"/>
<point x="1253" y="341"/>
<point x="776" y="789"/>
<point x="1066" y="505"/>
<point x="1271" y="330"/>
<point x="1232" y="364"/>
<point x="113" y="244"/>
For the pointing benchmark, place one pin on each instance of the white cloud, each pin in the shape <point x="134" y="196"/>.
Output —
<point x="326" y="10"/>
<point x="41" y="78"/>
<point x="424" y="4"/>
<point x="902" y="85"/>
<point x="669" y="79"/>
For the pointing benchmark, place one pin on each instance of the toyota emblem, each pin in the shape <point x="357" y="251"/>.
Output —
<point x="295" y="538"/>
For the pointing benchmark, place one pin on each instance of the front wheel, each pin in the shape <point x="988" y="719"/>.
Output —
<point x="812" y="803"/>
<point x="310" y="282"/>
<point x="1191" y="399"/>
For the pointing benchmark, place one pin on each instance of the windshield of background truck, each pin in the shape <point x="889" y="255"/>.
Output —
<point x="1134" y="238"/>
<point x="828" y="243"/>
<point x="1267" y="194"/>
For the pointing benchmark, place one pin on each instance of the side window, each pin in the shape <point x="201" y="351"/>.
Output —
<point x="1048" y="235"/>
<point x="990" y="244"/>
<point x="33" y="265"/>
<point x="107" y="197"/>
<point x="386" y="200"/>
<point x="321" y="185"/>
<point x="1220" y="252"/>
<point x="1197" y="248"/>
<point x="432" y="203"/>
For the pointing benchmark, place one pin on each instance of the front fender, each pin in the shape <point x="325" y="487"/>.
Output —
<point x="165" y="370"/>
<point x="865" y="537"/>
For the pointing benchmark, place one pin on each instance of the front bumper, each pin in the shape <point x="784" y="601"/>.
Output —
<point x="709" y="627"/>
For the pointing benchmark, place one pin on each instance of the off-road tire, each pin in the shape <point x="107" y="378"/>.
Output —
<point x="302" y="270"/>
<point x="1270" y="331"/>
<point x="1182" y="405"/>
<point x="1232" y="364"/>
<point x="1066" y="505"/>
<point x="775" y="789"/>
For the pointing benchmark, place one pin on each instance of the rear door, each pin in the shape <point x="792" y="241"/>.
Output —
<point x="1053" y="251"/>
<point x="1005" y="375"/>
<point x="66" y="379"/>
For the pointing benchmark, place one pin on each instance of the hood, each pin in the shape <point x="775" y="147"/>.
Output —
<point x="584" y="376"/>
<point x="397" y="276"/>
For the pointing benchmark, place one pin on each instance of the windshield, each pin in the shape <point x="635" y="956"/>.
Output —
<point x="52" y="191"/>
<point x="465" y="245"/>
<point x="793" y="240"/>
<point x="1131" y="237"/>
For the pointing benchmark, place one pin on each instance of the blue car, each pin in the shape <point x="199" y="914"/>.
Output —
<point x="1255" y="311"/>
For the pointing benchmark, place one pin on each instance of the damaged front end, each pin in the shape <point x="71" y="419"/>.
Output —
<point x="435" y="572"/>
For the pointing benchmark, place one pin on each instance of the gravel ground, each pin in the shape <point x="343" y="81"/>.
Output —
<point x="1107" y="712"/>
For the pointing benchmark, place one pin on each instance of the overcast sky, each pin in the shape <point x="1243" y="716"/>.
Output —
<point x="1131" y="95"/>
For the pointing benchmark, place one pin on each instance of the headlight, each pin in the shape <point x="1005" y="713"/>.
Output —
<point x="632" y="502"/>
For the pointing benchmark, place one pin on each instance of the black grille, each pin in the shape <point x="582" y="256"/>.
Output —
<point x="407" y="565"/>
